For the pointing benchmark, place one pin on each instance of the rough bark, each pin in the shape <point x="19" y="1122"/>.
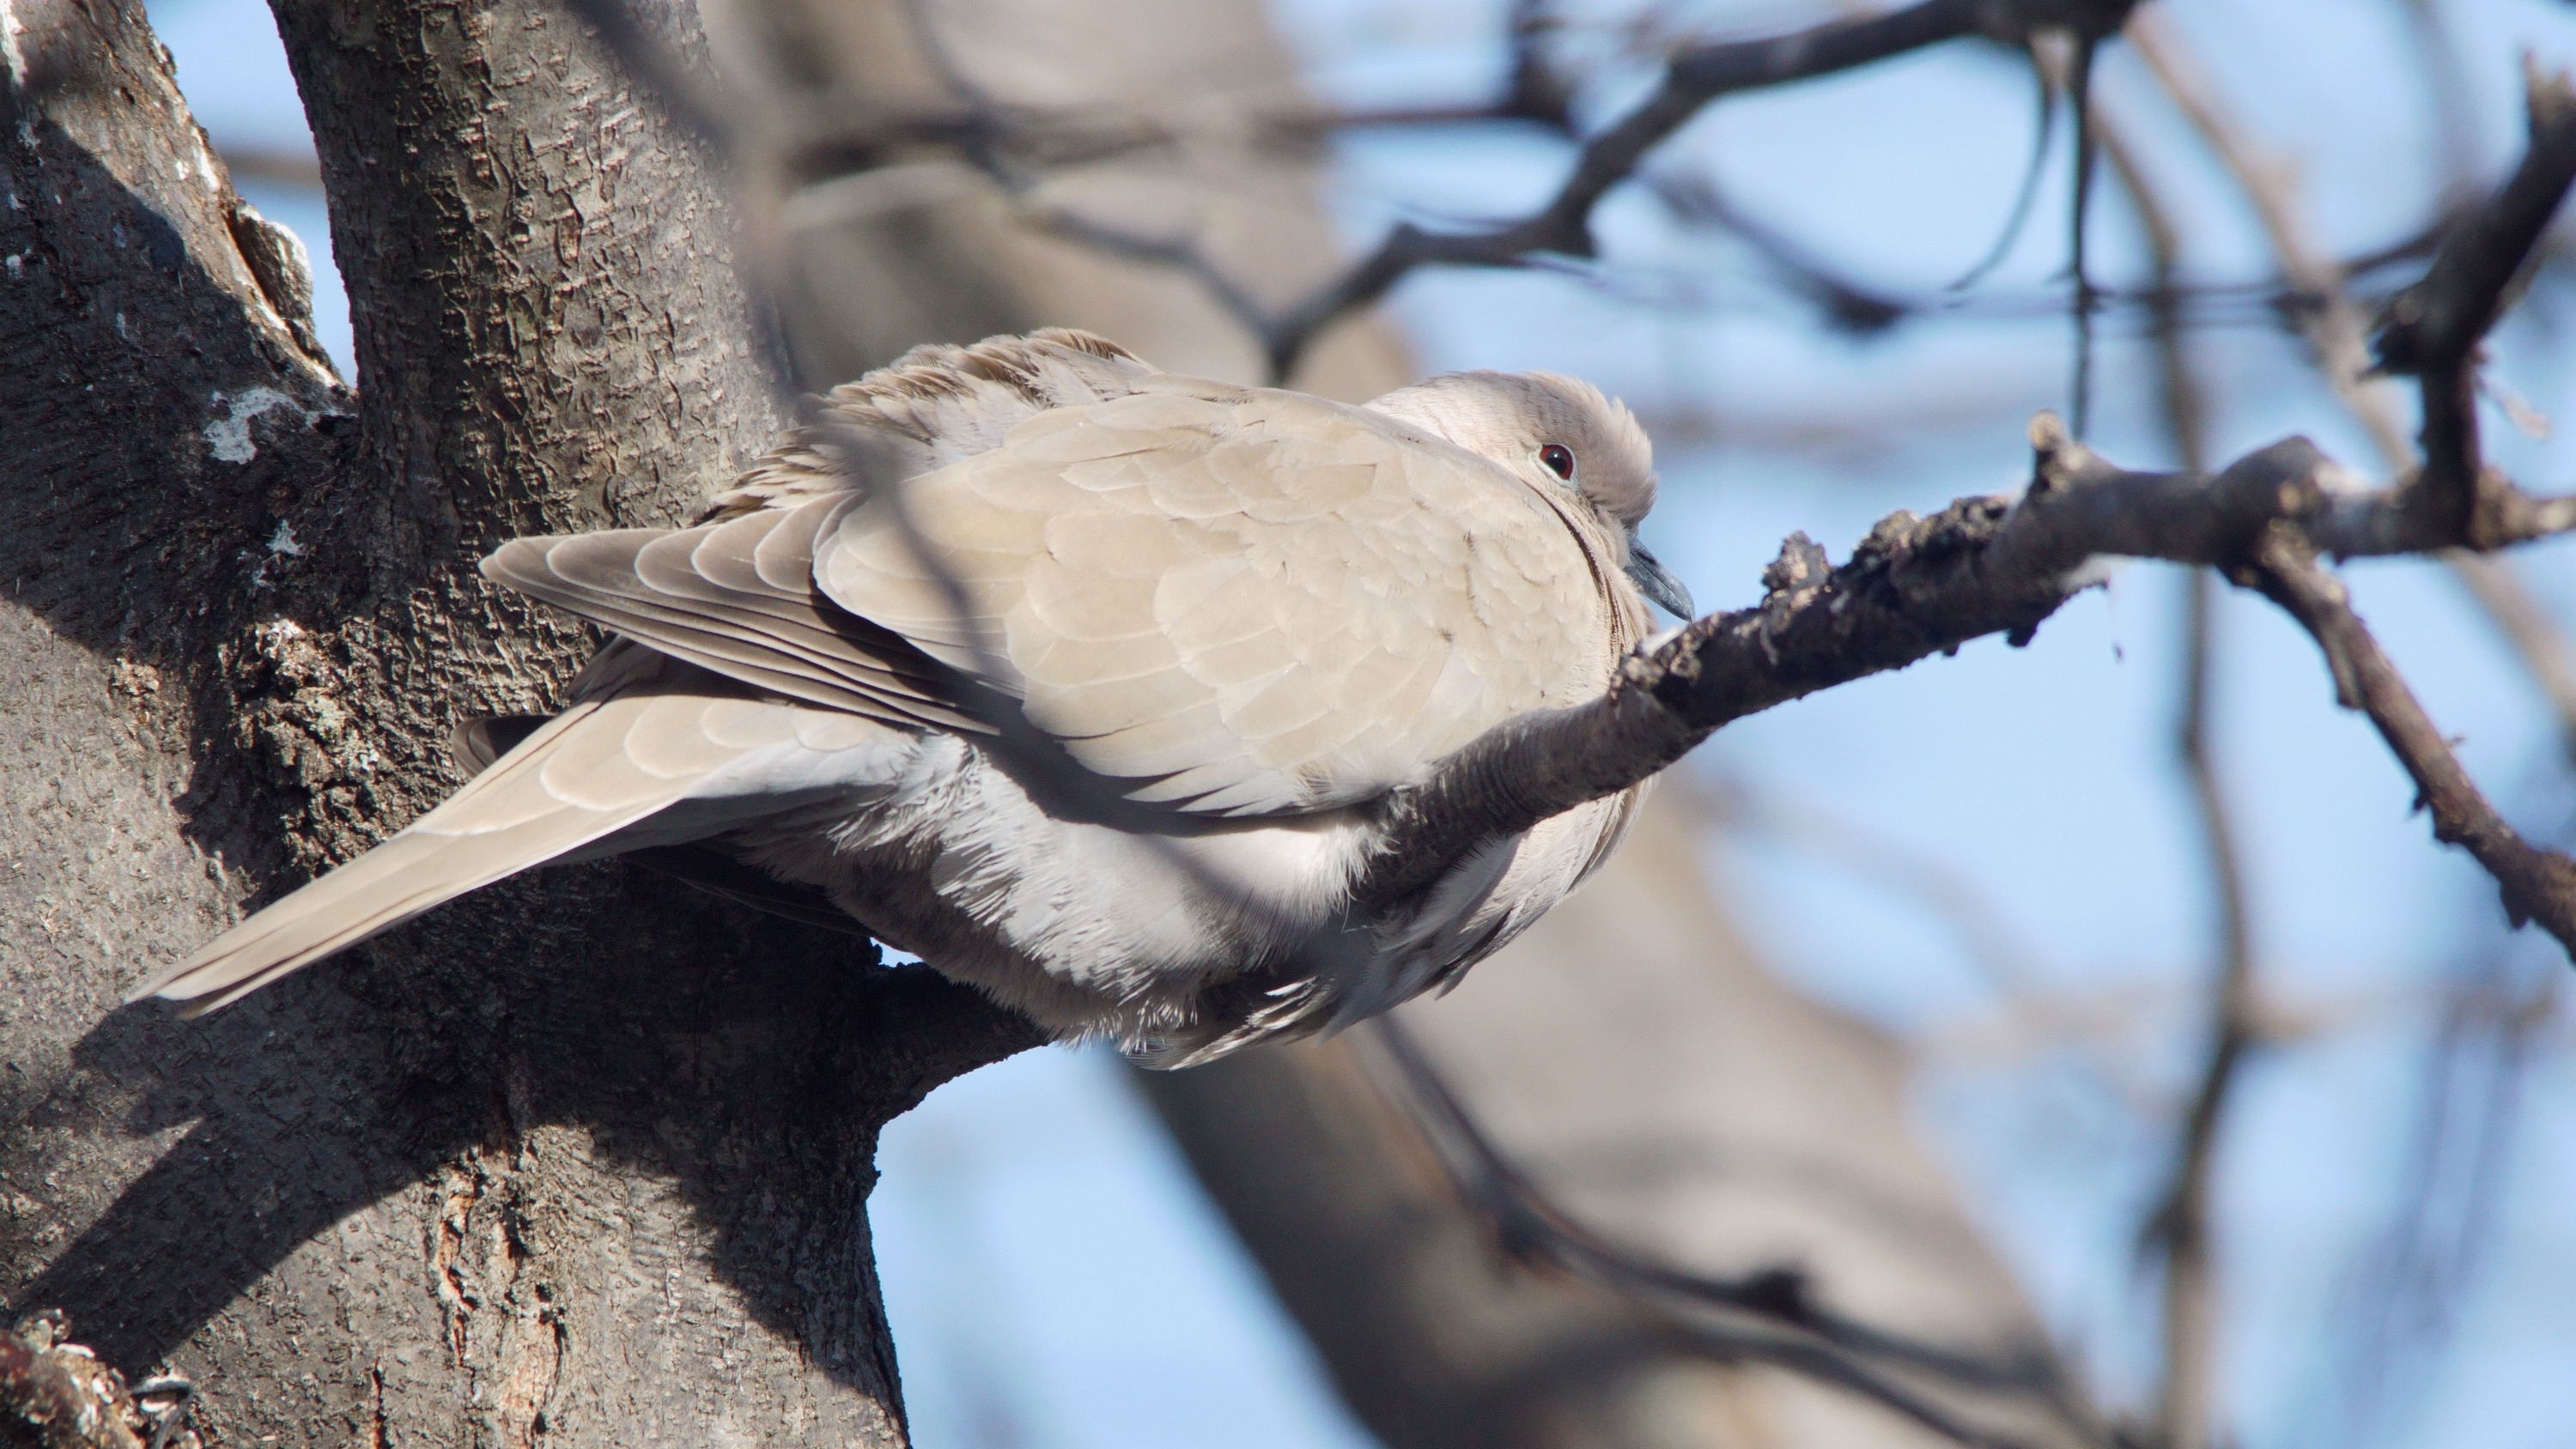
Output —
<point x="580" y="1160"/>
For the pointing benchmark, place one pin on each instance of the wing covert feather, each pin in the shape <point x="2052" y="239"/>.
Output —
<point x="1253" y="601"/>
<point x="737" y="597"/>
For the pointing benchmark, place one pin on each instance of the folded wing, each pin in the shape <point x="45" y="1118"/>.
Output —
<point x="738" y="597"/>
<point x="1254" y="601"/>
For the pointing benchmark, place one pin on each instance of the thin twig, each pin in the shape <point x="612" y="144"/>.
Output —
<point x="1692" y="79"/>
<point x="2432" y="329"/>
<point x="2079" y="96"/>
<point x="1849" y="306"/>
<point x="1537" y="92"/>
<point x="2178" y="1228"/>
<point x="1529" y="1228"/>
<point x="2026" y="198"/>
<point x="2334" y="327"/>
<point x="2408" y="1281"/>
<point x="2537" y="884"/>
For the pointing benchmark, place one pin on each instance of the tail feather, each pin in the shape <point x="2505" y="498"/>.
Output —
<point x="521" y="812"/>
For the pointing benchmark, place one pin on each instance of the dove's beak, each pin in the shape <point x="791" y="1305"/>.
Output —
<point x="1657" y="582"/>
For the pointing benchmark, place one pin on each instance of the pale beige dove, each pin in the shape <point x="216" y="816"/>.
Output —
<point x="1250" y="611"/>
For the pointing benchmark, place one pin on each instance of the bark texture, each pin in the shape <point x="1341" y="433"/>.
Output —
<point x="583" y="1160"/>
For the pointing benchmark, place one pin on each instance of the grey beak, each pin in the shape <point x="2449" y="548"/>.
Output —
<point x="1657" y="583"/>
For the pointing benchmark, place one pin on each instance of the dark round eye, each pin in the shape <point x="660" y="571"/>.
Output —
<point x="1559" y="460"/>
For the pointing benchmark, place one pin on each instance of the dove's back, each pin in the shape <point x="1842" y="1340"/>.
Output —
<point x="1258" y="601"/>
<point x="1258" y="608"/>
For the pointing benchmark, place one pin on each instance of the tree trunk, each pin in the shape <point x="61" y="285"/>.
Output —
<point x="579" y="1159"/>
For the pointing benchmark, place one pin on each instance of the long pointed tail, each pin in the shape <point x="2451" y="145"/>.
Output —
<point x="596" y="769"/>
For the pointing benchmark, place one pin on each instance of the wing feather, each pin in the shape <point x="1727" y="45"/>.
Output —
<point x="1249" y="601"/>
<point x="1246" y="601"/>
<point x="713" y="595"/>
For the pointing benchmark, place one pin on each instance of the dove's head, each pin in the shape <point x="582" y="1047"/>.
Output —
<point x="1558" y="434"/>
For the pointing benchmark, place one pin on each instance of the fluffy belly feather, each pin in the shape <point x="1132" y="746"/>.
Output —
<point x="1175" y="946"/>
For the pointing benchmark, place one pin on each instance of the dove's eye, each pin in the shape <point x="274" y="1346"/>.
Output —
<point x="1559" y="460"/>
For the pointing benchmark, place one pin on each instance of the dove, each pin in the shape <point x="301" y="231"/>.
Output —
<point x="1079" y="680"/>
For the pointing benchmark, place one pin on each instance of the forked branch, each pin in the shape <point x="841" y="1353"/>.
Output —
<point x="1992" y="565"/>
<point x="1914" y="587"/>
<point x="2432" y="330"/>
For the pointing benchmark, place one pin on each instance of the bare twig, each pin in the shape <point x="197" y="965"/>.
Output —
<point x="2537" y="884"/>
<point x="2432" y="329"/>
<point x="1014" y="144"/>
<point x="2079" y="97"/>
<point x="2179" y="1226"/>
<point x="1849" y="306"/>
<point x="1710" y="1311"/>
<point x="1537" y="92"/>
<point x="2334" y="327"/>
<point x="2408" y="1281"/>
<point x="2026" y="198"/>
<point x="1692" y="79"/>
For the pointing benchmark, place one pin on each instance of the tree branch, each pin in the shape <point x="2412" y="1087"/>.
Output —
<point x="2537" y="884"/>
<point x="1996" y="565"/>
<point x="2432" y="329"/>
<point x="1914" y="587"/>
<point x="1692" y="79"/>
<point x="2179" y="1225"/>
<point x="2334" y="329"/>
<point x="1794" y="1330"/>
